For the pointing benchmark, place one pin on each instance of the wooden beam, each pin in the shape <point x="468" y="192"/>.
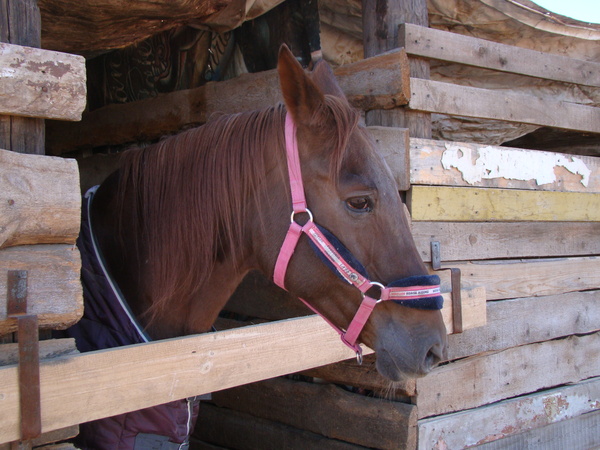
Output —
<point x="380" y="34"/>
<point x="444" y="163"/>
<point x="20" y="24"/>
<point x="219" y="428"/>
<point x="394" y="146"/>
<point x="93" y="385"/>
<point x="328" y="410"/>
<point x="378" y="82"/>
<point x="446" y="98"/>
<point x="510" y="324"/>
<point x="491" y="240"/>
<point x="54" y="290"/>
<point x="40" y="200"/>
<point x="483" y="379"/>
<point x="514" y="416"/>
<point x="458" y="204"/>
<point x="41" y="83"/>
<point x="524" y="278"/>
<point x="452" y="47"/>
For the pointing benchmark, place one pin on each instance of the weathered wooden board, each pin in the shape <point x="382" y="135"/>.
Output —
<point x="444" y="163"/>
<point x="511" y="417"/>
<point x="460" y="204"/>
<point x="511" y="323"/>
<point x="488" y="378"/>
<point x="446" y="98"/>
<point x="40" y="200"/>
<point x="54" y="290"/>
<point x="372" y="83"/>
<point x="50" y="348"/>
<point x="393" y="144"/>
<point x="93" y="385"/>
<point x="526" y="278"/>
<point x="445" y="46"/>
<point x="41" y="83"/>
<point x="327" y="410"/>
<point x="226" y="428"/>
<point x="491" y="240"/>
<point x="579" y="433"/>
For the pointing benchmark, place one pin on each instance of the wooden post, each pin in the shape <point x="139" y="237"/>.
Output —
<point x="20" y="23"/>
<point x="381" y="19"/>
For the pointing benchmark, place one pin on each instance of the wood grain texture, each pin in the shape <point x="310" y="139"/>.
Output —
<point x="526" y="278"/>
<point x="41" y="83"/>
<point x="93" y="385"/>
<point x="458" y="204"/>
<point x="445" y="98"/>
<point x="511" y="417"/>
<point x="40" y="200"/>
<point x="511" y="323"/>
<point x="491" y="240"/>
<point x="328" y="410"/>
<point x="54" y="290"/>
<point x="444" y="163"/>
<point x="492" y="377"/>
<point x="446" y="46"/>
<point x="372" y="83"/>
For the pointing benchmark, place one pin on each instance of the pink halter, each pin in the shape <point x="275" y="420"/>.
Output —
<point x="329" y="253"/>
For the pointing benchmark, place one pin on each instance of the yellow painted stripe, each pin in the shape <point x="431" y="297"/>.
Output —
<point x="462" y="204"/>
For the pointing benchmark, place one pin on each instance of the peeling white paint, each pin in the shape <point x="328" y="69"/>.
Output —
<point x="511" y="164"/>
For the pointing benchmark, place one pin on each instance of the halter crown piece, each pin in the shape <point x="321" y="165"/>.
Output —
<point x="421" y="291"/>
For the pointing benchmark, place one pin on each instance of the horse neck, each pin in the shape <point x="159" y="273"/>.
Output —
<point x="178" y="284"/>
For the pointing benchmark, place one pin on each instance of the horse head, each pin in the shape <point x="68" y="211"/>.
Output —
<point x="352" y="195"/>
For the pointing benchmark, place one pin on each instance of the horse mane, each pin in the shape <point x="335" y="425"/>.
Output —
<point x="192" y="193"/>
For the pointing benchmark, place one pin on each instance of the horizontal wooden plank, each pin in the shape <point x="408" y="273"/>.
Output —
<point x="488" y="378"/>
<point x="328" y="410"/>
<point x="219" y="428"/>
<point x="511" y="323"/>
<point x="445" y="98"/>
<point x="54" y="290"/>
<point x="510" y="418"/>
<point x="460" y="204"/>
<point x="491" y="240"/>
<point x="578" y="433"/>
<point x="444" y="163"/>
<point x="40" y="200"/>
<point x="49" y="348"/>
<point x="41" y="83"/>
<point x="373" y="83"/>
<point x="504" y="279"/>
<point x="452" y="47"/>
<point x="93" y="385"/>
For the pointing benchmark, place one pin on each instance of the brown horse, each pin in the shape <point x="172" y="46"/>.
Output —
<point x="183" y="221"/>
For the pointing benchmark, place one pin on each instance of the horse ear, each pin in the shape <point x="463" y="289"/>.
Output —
<point x="324" y="78"/>
<point x="301" y="95"/>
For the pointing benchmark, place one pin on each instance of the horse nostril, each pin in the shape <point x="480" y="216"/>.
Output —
<point x="435" y="355"/>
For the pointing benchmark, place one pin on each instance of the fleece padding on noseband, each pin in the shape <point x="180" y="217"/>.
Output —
<point x="433" y="302"/>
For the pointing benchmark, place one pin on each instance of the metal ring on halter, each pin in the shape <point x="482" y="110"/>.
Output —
<point x="307" y="211"/>
<point x="380" y="286"/>
<point x="359" y="357"/>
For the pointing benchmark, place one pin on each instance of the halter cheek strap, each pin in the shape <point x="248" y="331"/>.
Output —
<point x="422" y="291"/>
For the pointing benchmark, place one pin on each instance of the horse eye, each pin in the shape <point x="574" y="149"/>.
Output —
<point x="360" y="204"/>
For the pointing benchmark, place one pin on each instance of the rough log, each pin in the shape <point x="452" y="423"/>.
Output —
<point x="54" y="290"/>
<point x="379" y="82"/>
<point x="40" y="200"/>
<point x="41" y="83"/>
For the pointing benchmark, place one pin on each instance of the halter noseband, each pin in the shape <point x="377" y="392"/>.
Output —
<point x="422" y="291"/>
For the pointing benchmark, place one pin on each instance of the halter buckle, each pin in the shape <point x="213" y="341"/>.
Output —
<point x="307" y="211"/>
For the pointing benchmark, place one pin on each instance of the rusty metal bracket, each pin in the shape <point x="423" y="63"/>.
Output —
<point x="29" y="355"/>
<point x="436" y="264"/>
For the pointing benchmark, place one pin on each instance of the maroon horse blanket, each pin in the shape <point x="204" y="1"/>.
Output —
<point x="107" y="322"/>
